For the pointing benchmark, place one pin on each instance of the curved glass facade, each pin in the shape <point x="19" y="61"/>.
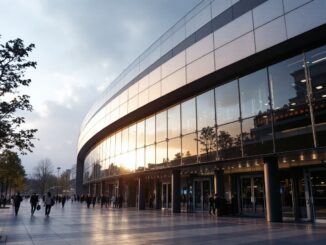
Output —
<point x="263" y="112"/>
<point x="230" y="100"/>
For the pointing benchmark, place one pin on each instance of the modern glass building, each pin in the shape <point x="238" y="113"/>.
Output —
<point x="230" y="100"/>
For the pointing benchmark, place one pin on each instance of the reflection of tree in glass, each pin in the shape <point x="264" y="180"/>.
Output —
<point x="207" y="138"/>
<point x="178" y="155"/>
<point x="224" y="140"/>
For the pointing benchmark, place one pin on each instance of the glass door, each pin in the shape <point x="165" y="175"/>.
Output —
<point x="202" y="190"/>
<point x="166" y="195"/>
<point x="252" y="195"/>
<point x="318" y="187"/>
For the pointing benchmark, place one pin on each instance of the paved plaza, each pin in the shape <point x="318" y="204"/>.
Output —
<point x="75" y="224"/>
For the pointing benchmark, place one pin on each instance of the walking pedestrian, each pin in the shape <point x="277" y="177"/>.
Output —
<point x="17" y="200"/>
<point x="49" y="202"/>
<point x="211" y="205"/>
<point x="63" y="201"/>
<point x="33" y="201"/>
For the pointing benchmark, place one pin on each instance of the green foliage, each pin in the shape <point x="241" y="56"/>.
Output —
<point x="12" y="172"/>
<point x="13" y="64"/>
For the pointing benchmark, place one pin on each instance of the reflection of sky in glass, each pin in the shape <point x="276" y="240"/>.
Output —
<point x="161" y="152"/>
<point x="189" y="145"/>
<point x="227" y="103"/>
<point x="174" y="148"/>
<point x="188" y="110"/>
<point x="254" y="93"/>
<point x="174" y="122"/>
<point x="282" y="80"/>
<point x="206" y="108"/>
<point x="150" y="130"/>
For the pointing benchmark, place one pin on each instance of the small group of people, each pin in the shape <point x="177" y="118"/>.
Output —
<point x="34" y="201"/>
<point x="105" y="201"/>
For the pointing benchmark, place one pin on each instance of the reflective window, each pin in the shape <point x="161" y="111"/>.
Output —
<point x="189" y="148"/>
<point x="229" y="141"/>
<point x="124" y="144"/>
<point x="161" y="152"/>
<point x="132" y="137"/>
<point x="288" y="83"/>
<point x="257" y="135"/>
<point x="206" y="110"/>
<point x="174" y="151"/>
<point x="143" y="98"/>
<point x="140" y="159"/>
<point x="207" y="143"/>
<point x="161" y="126"/>
<point x="188" y="111"/>
<point x="133" y="104"/>
<point x="118" y="143"/>
<point x="154" y="91"/>
<point x="174" y="122"/>
<point x="140" y="134"/>
<point x="227" y="103"/>
<point x="292" y="124"/>
<point x="150" y="156"/>
<point x="316" y="60"/>
<point x="133" y="90"/>
<point x="129" y="162"/>
<point x="112" y="146"/>
<point x="150" y="130"/>
<point x="254" y="93"/>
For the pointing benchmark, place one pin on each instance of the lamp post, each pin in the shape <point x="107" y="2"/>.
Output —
<point x="58" y="168"/>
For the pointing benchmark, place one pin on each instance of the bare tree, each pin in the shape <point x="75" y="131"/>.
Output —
<point x="43" y="175"/>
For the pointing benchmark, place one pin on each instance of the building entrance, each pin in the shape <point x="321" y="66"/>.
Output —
<point x="252" y="195"/>
<point x="166" y="195"/>
<point x="202" y="190"/>
<point x="318" y="190"/>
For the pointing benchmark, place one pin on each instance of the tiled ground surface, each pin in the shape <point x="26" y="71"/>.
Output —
<point x="75" y="224"/>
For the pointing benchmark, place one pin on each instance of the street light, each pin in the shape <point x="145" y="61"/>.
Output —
<point x="58" y="168"/>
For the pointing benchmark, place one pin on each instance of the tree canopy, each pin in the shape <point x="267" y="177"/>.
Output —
<point x="13" y="65"/>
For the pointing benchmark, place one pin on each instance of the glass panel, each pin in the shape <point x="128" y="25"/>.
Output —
<point x="228" y="141"/>
<point x="174" y="122"/>
<point x="291" y="113"/>
<point x="132" y="137"/>
<point x="318" y="185"/>
<point x="227" y="103"/>
<point x="286" y="194"/>
<point x="200" y="67"/>
<point x="174" y="151"/>
<point x="143" y="98"/>
<point x="118" y="143"/>
<point x="133" y="90"/>
<point x="129" y="162"/>
<point x="140" y="159"/>
<point x="254" y="93"/>
<point x="154" y="91"/>
<point x="161" y="126"/>
<point x="316" y="60"/>
<point x="174" y="81"/>
<point x="133" y="104"/>
<point x="200" y="48"/>
<point x="257" y="135"/>
<point x="140" y="134"/>
<point x="155" y="76"/>
<point x="174" y="64"/>
<point x="188" y="110"/>
<point x="125" y="140"/>
<point x="206" y="110"/>
<point x="150" y="130"/>
<point x="207" y="143"/>
<point x="161" y="153"/>
<point x="112" y="146"/>
<point x="150" y="156"/>
<point x="189" y="148"/>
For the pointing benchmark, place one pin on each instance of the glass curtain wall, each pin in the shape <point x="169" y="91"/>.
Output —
<point x="263" y="112"/>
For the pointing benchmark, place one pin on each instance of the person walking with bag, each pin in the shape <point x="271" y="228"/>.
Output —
<point x="49" y="202"/>
<point x="33" y="200"/>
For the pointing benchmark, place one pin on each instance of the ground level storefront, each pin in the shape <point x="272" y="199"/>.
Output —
<point x="283" y="187"/>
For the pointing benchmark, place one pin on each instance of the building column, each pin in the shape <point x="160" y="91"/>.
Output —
<point x="175" y="186"/>
<point x="272" y="190"/>
<point x="219" y="183"/>
<point x="141" y="193"/>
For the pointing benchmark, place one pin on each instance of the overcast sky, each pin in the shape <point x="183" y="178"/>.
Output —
<point x="81" y="46"/>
